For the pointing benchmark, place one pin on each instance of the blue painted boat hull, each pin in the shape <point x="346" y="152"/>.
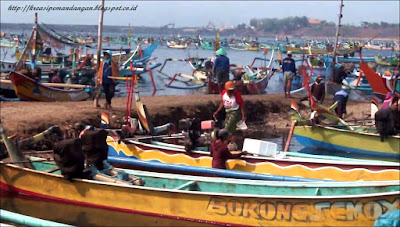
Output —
<point x="344" y="151"/>
<point x="121" y="160"/>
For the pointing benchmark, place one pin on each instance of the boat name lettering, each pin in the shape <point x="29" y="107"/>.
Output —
<point x="48" y="95"/>
<point x="301" y="211"/>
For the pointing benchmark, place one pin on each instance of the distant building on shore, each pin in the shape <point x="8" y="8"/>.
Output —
<point x="314" y="21"/>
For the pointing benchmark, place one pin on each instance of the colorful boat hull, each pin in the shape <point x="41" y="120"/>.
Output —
<point x="213" y="208"/>
<point x="295" y="167"/>
<point x="365" y="145"/>
<point x="28" y="89"/>
<point x="55" y="210"/>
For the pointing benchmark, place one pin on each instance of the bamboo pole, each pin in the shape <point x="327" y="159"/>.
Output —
<point x="34" y="57"/>
<point x="289" y="136"/>
<point x="337" y="38"/>
<point x="100" y="33"/>
<point x="99" y="41"/>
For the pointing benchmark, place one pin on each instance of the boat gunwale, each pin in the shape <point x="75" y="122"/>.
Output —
<point x="109" y="184"/>
<point x="284" y="159"/>
<point x="353" y="132"/>
<point x="326" y="184"/>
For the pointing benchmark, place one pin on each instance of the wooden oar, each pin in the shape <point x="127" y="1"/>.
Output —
<point x="290" y="136"/>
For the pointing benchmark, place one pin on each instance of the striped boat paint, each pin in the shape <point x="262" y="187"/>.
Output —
<point x="215" y="208"/>
<point x="359" y="143"/>
<point x="295" y="167"/>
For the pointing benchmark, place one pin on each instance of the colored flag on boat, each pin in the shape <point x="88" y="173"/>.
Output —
<point x="105" y="122"/>
<point x="374" y="107"/>
<point x="217" y="42"/>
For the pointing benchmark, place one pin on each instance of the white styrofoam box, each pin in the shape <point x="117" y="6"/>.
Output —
<point x="260" y="147"/>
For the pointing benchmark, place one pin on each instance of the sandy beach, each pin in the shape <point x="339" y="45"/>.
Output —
<point x="263" y="111"/>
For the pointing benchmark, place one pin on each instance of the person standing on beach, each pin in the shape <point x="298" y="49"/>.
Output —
<point x="221" y="68"/>
<point x="107" y="68"/>
<point x="289" y="71"/>
<point x="233" y="103"/>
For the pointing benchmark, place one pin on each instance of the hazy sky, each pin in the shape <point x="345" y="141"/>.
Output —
<point x="199" y="13"/>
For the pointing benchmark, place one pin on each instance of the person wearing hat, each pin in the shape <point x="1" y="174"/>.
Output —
<point x="289" y="71"/>
<point x="318" y="90"/>
<point x="233" y="103"/>
<point x="221" y="67"/>
<point x="107" y="68"/>
<point x="219" y="150"/>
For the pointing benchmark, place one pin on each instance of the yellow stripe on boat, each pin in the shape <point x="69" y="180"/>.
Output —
<point x="347" y="140"/>
<point x="267" y="167"/>
<point x="218" y="208"/>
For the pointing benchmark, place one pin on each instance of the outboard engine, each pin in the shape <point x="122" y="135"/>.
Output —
<point x="191" y="129"/>
<point x="69" y="158"/>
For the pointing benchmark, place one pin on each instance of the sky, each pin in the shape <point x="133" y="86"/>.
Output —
<point x="200" y="13"/>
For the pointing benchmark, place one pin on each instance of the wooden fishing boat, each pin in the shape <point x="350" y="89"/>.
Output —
<point x="363" y="143"/>
<point x="28" y="89"/>
<point x="282" y="164"/>
<point x="21" y="219"/>
<point x="370" y="46"/>
<point x="43" y="59"/>
<point x="355" y="59"/>
<point x="176" y="46"/>
<point x="118" y="57"/>
<point x="307" y="50"/>
<point x="255" y="86"/>
<point x="6" y="43"/>
<point x="7" y="66"/>
<point x="219" y="201"/>
<point x="55" y="210"/>
<point x="268" y="46"/>
<point x="206" y="45"/>
<point x="394" y="61"/>
<point x="244" y="47"/>
<point x="380" y="84"/>
<point x="140" y="56"/>
<point x="304" y="50"/>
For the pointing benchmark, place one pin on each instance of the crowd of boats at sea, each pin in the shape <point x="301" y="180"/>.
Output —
<point x="154" y="174"/>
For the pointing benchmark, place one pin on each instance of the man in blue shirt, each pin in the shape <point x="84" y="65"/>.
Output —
<point x="289" y="71"/>
<point x="221" y="68"/>
<point x="108" y="68"/>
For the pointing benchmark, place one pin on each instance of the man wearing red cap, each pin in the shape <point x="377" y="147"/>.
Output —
<point x="233" y="103"/>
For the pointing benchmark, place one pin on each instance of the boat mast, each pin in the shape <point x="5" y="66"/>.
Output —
<point x="337" y="38"/>
<point x="34" y="50"/>
<point x="100" y="32"/>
